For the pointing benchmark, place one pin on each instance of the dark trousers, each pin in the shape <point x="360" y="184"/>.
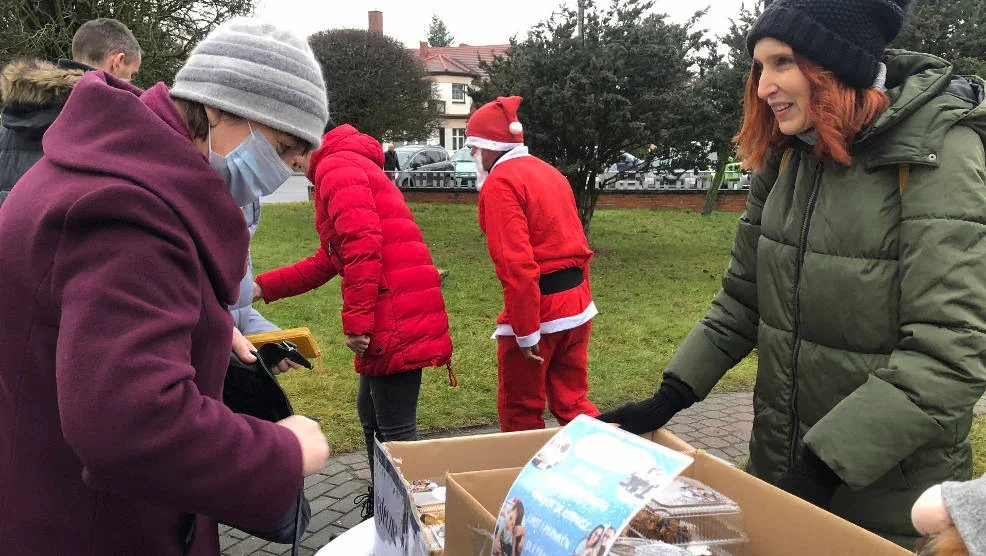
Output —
<point x="388" y="408"/>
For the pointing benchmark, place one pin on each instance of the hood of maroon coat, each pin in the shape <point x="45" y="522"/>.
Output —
<point x="346" y="138"/>
<point x="111" y="128"/>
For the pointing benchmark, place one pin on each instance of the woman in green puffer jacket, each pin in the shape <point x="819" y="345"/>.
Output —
<point x="858" y="269"/>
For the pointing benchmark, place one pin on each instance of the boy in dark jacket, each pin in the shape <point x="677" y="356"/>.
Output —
<point x="33" y="91"/>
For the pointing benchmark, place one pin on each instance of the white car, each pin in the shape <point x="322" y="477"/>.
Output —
<point x="465" y="167"/>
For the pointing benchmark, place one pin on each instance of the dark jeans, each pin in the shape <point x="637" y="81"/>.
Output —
<point x="388" y="408"/>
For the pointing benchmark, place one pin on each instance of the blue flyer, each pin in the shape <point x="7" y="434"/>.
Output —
<point x="581" y="489"/>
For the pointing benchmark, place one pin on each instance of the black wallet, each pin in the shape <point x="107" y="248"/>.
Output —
<point x="272" y="353"/>
<point x="252" y="389"/>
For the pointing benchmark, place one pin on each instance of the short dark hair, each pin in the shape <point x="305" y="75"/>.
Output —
<point x="98" y="38"/>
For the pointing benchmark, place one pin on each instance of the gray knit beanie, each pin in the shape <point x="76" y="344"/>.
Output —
<point x="257" y="71"/>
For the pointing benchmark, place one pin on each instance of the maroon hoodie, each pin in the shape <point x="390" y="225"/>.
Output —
<point x="119" y="253"/>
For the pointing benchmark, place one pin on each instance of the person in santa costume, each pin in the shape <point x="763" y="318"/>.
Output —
<point x="535" y="238"/>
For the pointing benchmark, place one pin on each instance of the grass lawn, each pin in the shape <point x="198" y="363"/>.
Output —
<point x="653" y="277"/>
<point x="978" y="438"/>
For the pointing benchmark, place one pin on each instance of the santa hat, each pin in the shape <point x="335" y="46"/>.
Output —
<point x="495" y="127"/>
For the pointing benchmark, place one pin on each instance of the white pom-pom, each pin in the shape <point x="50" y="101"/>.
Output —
<point x="516" y="128"/>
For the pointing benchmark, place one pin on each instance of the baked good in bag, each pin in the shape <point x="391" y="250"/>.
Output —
<point x="648" y="525"/>
<point x="689" y="513"/>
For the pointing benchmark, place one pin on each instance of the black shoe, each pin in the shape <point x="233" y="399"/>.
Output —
<point x="365" y="500"/>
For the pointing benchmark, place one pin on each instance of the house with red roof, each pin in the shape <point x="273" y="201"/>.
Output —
<point x="453" y="69"/>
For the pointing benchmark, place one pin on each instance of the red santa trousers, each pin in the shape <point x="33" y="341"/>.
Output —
<point x="562" y="380"/>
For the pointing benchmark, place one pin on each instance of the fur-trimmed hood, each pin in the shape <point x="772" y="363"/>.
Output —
<point x="36" y="82"/>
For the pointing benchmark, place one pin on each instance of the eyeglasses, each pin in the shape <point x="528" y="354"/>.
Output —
<point x="286" y="148"/>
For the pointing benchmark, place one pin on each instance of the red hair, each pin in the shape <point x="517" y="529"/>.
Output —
<point x="837" y="112"/>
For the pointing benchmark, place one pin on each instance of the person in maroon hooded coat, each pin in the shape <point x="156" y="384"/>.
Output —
<point x="123" y="247"/>
<point x="393" y="313"/>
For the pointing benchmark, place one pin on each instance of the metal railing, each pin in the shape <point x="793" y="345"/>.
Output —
<point x="434" y="180"/>
<point x="651" y="181"/>
<point x="415" y="180"/>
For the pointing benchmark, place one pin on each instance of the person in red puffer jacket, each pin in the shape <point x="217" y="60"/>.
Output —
<point x="393" y="313"/>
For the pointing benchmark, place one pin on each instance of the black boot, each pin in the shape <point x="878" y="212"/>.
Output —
<point x="365" y="500"/>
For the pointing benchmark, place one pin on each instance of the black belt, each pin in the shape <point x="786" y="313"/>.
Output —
<point x="560" y="280"/>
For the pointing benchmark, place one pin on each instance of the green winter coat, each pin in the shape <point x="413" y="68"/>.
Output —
<point x="867" y="305"/>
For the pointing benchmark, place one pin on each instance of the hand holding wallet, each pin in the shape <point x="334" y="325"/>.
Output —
<point x="274" y="352"/>
<point x="252" y="389"/>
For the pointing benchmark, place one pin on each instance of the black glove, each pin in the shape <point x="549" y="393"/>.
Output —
<point x="811" y="480"/>
<point x="654" y="412"/>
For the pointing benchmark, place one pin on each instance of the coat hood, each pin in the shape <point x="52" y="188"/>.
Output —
<point x="111" y="128"/>
<point x="36" y="82"/>
<point x="927" y="99"/>
<point x="346" y="138"/>
<point x="32" y="92"/>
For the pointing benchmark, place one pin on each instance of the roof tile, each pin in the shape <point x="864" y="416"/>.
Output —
<point x="458" y="59"/>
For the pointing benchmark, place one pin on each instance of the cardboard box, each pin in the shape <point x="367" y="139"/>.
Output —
<point x="399" y="528"/>
<point x="432" y="459"/>
<point x="777" y="523"/>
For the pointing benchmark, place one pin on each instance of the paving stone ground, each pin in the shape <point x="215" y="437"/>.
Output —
<point x="720" y="424"/>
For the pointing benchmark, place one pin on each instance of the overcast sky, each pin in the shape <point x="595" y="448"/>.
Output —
<point x="470" y="21"/>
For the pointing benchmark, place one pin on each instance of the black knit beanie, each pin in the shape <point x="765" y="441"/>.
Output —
<point x="846" y="37"/>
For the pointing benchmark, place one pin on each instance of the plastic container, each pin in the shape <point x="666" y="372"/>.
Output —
<point x="625" y="546"/>
<point x="429" y="498"/>
<point x="689" y="514"/>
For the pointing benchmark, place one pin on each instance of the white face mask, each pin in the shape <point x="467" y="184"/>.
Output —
<point x="252" y="170"/>
<point x="481" y="172"/>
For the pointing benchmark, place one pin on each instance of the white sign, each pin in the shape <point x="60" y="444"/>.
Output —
<point x="398" y="530"/>
<point x="581" y="489"/>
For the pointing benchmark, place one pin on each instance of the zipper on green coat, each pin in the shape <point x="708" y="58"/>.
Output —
<point x="802" y="249"/>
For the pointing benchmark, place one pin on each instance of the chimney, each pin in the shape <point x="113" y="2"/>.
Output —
<point x="423" y="49"/>
<point x="376" y="21"/>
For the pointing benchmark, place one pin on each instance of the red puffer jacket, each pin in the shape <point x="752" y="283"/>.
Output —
<point x="390" y="287"/>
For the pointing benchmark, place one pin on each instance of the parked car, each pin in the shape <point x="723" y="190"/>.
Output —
<point x="462" y="159"/>
<point x="629" y="163"/>
<point x="736" y="177"/>
<point x="465" y="167"/>
<point x="424" y="165"/>
<point x="632" y="172"/>
<point x="733" y="171"/>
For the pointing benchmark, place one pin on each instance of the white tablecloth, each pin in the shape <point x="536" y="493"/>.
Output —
<point x="358" y="541"/>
